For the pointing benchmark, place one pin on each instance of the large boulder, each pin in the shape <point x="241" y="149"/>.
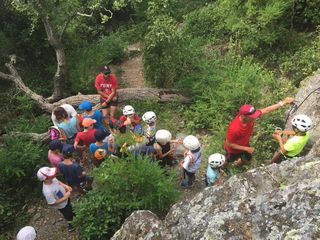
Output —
<point x="308" y="100"/>
<point x="273" y="202"/>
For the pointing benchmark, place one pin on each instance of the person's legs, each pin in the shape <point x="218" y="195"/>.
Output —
<point x="68" y="214"/>
<point x="113" y="109"/>
<point x="191" y="178"/>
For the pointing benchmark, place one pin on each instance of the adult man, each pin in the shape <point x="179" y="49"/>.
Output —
<point x="240" y="130"/>
<point x="106" y="84"/>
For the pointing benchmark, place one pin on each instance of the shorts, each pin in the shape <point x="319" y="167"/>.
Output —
<point x="231" y="157"/>
<point x="109" y="104"/>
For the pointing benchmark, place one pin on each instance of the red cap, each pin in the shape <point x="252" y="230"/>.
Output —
<point x="250" y="111"/>
<point x="87" y="122"/>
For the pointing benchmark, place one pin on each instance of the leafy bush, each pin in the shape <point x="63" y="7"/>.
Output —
<point x="122" y="187"/>
<point x="304" y="61"/>
<point x="18" y="160"/>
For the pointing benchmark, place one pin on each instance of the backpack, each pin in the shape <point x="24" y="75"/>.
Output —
<point x="54" y="132"/>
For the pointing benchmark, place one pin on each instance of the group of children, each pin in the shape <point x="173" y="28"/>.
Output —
<point x="94" y="142"/>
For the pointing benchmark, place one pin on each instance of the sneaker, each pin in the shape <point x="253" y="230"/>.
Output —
<point x="184" y="184"/>
<point x="71" y="228"/>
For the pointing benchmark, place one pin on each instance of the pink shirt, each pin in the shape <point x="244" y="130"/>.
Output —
<point x="54" y="159"/>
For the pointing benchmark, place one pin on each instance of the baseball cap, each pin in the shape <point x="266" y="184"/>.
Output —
<point x="106" y="70"/>
<point x="85" y="105"/>
<point x="87" y="122"/>
<point x="45" y="172"/>
<point x="67" y="149"/>
<point x="99" y="135"/>
<point x="55" y="144"/>
<point x="250" y="111"/>
<point x="27" y="233"/>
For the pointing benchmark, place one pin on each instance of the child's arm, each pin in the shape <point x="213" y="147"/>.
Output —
<point x="60" y="200"/>
<point x="277" y="136"/>
<point x="66" y="187"/>
<point x="63" y="135"/>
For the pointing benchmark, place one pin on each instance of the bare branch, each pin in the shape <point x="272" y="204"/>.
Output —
<point x="84" y="14"/>
<point x="35" y="137"/>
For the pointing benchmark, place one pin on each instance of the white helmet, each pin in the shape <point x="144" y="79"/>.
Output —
<point x="163" y="136"/>
<point x="149" y="117"/>
<point x="191" y="142"/>
<point x="302" y="122"/>
<point x="128" y="110"/>
<point x="216" y="160"/>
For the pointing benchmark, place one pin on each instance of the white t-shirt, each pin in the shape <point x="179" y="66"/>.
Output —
<point x="69" y="109"/>
<point x="53" y="192"/>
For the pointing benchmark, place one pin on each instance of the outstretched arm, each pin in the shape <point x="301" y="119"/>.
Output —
<point x="276" y="106"/>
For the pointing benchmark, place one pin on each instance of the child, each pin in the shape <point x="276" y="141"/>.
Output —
<point x="56" y="193"/>
<point x="150" y="119"/>
<point x="162" y="147"/>
<point x="301" y="124"/>
<point x="99" y="144"/>
<point x="192" y="160"/>
<point x="89" y="113"/>
<point x="215" y="162"/>
<point x="68" y="126"/>
<point x="86" y="137"/>
<point x="71" y="170"/>
<point x="129" y="118"/>
<point x="54" y="153"/>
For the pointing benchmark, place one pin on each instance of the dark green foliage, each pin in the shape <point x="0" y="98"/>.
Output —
<point x="122" y="187"/>
<point x="19" y="161"/>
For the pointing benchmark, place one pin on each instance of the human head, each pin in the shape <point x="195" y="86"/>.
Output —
<point x="149" y="117"/>
<point x="46" y="173"/>
<point x="56" y="145"/>
<point x="106" y="70"/>
<point x="216" y="160"/>
<point x="27" y="233"/>
<point x="301" y="123"/>
<point x="67" y="150"/>
<point x="163" y="136"/>
<point x="60" y="114"/>
<point x="99" y="135"/>
<point x="249" y="113"/>
<point x="191" y="143"/>
<point x="128" y="111"/>
<point x="88" y="122"/>
<point x="85" y="105"/>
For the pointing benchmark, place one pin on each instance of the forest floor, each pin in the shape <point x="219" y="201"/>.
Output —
<point x="48" y="222"/>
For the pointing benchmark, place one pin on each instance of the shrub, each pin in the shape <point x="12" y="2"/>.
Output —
<point x="122" y="187"/>
<point x="18" y="161"/>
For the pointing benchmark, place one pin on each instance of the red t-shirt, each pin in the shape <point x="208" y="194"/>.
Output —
<point x="136" y="119"/>
<point x="239" y="133"/>
<point x="106" y="85"/>
<point x="86" y="138"/>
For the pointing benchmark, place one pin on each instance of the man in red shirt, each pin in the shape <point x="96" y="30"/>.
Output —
<point x="240" y="130"/>
<point x="106" y="84"/>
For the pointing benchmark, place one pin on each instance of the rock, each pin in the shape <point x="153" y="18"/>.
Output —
<point x="247" y="206"/>
<point x="311" y="104"/>
<point x="36" y="217"/>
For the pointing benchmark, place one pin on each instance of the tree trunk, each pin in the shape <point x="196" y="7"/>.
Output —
<point x="60" y="75"/>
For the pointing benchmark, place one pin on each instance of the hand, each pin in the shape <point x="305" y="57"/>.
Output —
<point x="250" y="150"/>
<point x="288" y="100"/>
<point x="67" y="194"/>
<point x="104" y="104"/>
<point x="276" y="136"/>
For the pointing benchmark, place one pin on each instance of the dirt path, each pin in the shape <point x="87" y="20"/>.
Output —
<point x="131" y="70"/>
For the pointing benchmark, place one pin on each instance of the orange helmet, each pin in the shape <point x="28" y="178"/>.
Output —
<point x="100" y="154"/>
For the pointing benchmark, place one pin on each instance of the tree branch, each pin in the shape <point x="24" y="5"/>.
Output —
<point x="35" y="137"/>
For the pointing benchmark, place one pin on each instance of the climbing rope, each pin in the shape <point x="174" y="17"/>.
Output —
<point x="294" y="107"/>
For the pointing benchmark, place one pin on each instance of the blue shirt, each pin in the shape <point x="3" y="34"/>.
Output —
<point x="97" y="115"/>
<point x="212" y="175"/>
<point x="94" y="147"/>
<point x="71" y="173"/>
<point x="70" y="127"/>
